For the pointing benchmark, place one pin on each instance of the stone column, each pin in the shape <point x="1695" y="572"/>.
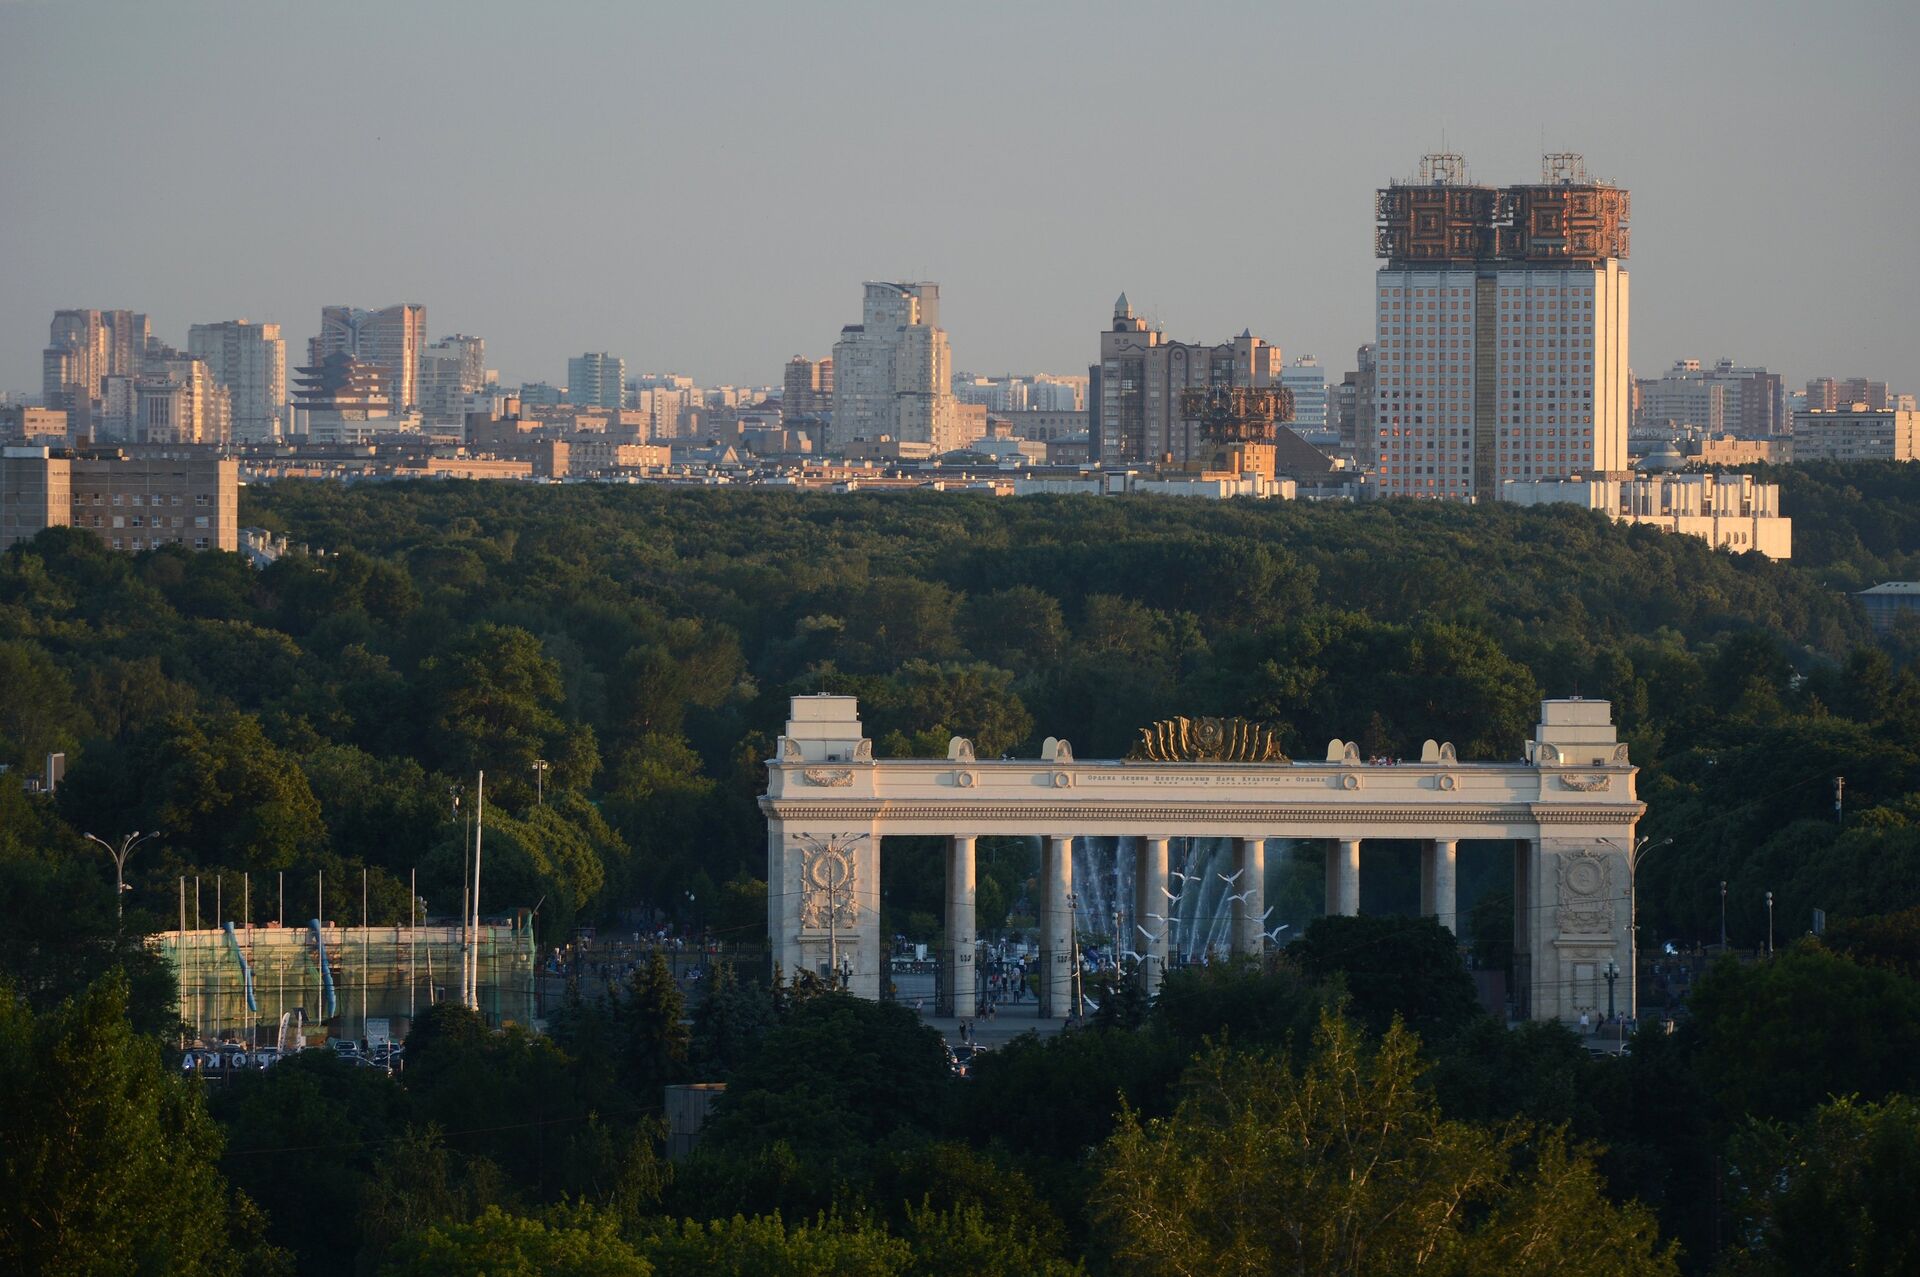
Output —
<point x="1250" y="861"/>
<point x="1149" y="896"/>
<point x="1526" y="857"/>
<point x="959" y="971"/>
<point x="1056" y="930"/>
<point x="1343" y="876"/>
<point x="1442" y="856"/>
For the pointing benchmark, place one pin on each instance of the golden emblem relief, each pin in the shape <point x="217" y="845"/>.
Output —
<point x="1207" y="740"/>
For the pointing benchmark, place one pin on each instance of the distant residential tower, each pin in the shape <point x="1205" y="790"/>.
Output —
<point x="250" y="361"/>
<point x="597" y="380"/>
<point x="893" y="372"/>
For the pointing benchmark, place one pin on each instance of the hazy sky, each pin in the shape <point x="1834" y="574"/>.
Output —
<point x="701" y="187"/>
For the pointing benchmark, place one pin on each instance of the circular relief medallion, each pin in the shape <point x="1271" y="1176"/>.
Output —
<point x="963" y="779"/>
<point x="830" y="870"/>
<point x="1583" y="878"/>
<point x="1061" y="780"/>
<point x="1349" y="781"/>
<point x="1448" y="782"/>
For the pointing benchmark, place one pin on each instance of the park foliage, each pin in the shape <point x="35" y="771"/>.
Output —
<point x="312" y="716"/>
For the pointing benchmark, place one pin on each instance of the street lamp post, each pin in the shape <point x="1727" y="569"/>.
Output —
<point x="1073" y="952"/>
<point x="1769" y="924"/>
<point x="120" y="856"/>
<point x="1613" y="973"/>
<point x="1635" y="854"/>
<point x="1723" y="915"/>
<point x="540" y="766"/>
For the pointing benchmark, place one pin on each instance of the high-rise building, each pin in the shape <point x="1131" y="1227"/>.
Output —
<point x="808" y="388"/>
<point x="393" y="338"/>
<point x="1748" y="402"/>
<point x="1685" y="396"/>
<point x="250" y="361"/>
<point x="1308" y="382"/>
<point x="1142" y="380"/>
<point x="83" y="348"/>
<point x="596" y="381"/>
<point x="1756" y="400"/>
<point x="179" y="401"/>
<point x="1353" y="403"/>
<point x="452" y="370"/>
<point x="1829" y="395"/>
<point x="1502" y="322"/>
<point x="671" y="412"/>
<point x="893" y="372"/>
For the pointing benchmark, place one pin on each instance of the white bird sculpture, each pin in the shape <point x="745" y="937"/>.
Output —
<point x="1274" y="935"/>
<point x="1241" y="897"/>
<point x="1230" y="880"/>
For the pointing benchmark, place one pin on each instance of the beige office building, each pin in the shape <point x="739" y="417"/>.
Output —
<point x="1858" y="433"/>
<point x="132" y="499"/>
<point x="38" y="426"/>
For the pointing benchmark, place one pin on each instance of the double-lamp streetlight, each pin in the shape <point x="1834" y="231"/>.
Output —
<point x="120" y="855"/>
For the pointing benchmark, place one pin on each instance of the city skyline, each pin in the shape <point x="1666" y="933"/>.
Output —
<point x="747" y="267"/>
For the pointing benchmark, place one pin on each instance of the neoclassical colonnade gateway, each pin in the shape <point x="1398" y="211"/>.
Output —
<point x="1568" y="807"/>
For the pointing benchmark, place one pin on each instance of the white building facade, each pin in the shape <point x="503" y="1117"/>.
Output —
<point x="1566" y="815"/>
<point x="1308" y="382"/>
<point x="597" y="380"/>
<point x="1731" y="512"/>
<point x="1856" y="433"/>
<point x="1510" y="374"/>
<point x="893" y="372"/>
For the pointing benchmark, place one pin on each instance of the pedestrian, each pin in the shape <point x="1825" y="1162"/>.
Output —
<point x="1585" y="1025"/>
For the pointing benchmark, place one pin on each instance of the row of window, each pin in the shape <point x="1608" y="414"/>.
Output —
<point x="140" y="543"/>
<point x="135" y="521"/>
<point x="138" y="499"/>
<point x="1511" y="291"/>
